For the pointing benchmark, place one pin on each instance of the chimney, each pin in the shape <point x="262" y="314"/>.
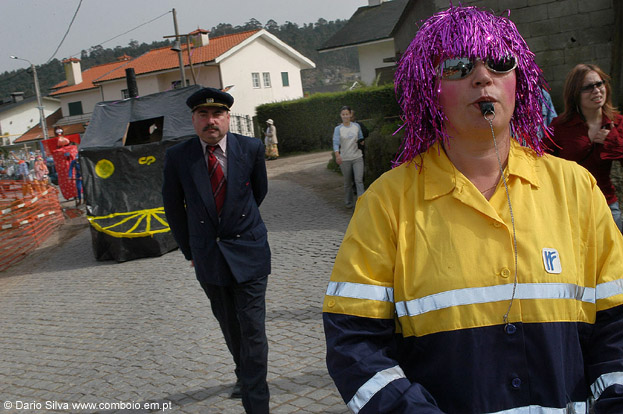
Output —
<point x="130" y="78"/>
<point x="17" y="97"/>
<point x="375" y="2"/>
<point x="73" y="71"/>
<point x="199" y="38"/>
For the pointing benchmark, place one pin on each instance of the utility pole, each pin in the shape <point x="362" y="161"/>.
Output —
<point x="42" y="121"/>
<point x="179" y="52"/>
<point x="44" y="125"/>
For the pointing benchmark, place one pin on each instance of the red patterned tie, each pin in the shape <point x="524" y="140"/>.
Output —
<point x="217" y="179"/>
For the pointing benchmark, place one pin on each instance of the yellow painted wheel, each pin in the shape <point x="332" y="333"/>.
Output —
<point x="131" y="224"/>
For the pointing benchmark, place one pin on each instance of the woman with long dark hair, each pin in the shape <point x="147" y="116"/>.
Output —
<point x="590" y="130"/>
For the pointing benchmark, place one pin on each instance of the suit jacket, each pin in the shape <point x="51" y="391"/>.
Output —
<point x="234" y="248"/>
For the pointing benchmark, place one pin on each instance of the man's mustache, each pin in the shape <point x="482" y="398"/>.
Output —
<point x="210" y="128"/>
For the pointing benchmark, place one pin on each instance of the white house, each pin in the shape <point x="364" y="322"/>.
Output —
<point x="381" y="32"/>
<point x="19" y="115"/>
<point x="255" y="67"/>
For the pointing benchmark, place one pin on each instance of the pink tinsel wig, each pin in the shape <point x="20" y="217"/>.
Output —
<point x="463" y="32"/>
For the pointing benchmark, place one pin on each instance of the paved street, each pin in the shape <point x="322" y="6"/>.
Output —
<point x="125" y="336"/>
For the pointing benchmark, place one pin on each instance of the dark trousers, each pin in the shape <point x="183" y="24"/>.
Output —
<point x="241" y="312"/>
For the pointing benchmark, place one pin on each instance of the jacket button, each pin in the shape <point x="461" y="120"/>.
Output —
<point x="244" y="215"/>
<point x="505" y="272"/>
<point x="510" y="329"/>
<point x="497" y="224"/>
<point x="201" y="221"/>
<point x="237" y="235"/>
<point x="516" y="383"/>
<point x="218" y="239"/>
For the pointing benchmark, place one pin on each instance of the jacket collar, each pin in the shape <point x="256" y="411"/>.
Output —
<point x="577" y="119"/>
<point x="441" y="176"/>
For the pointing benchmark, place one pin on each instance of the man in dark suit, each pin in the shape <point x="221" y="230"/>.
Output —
<point x="213" y="186"/>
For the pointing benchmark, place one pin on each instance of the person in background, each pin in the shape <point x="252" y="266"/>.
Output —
<point x="270" y="141"/>
<point x="549" y="112"/>
<point x="41" y="169"/>
<point x="75" y="173"/>
<point x="348" y="155"/>
<point x="364" y="132"/>
<point x="478" y="275"/>
<point x="23" y="172"/>
<point x="213" y="185"/>
<point x="590" y="130"/>
<point x="61" y="140"/>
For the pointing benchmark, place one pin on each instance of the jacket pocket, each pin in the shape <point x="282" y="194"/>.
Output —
<point x="259" y="231"/>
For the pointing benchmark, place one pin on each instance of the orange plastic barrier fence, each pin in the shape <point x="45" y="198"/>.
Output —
<point x="29" y="214"/>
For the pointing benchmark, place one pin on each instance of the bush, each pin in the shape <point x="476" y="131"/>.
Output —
<point x="307" y="124"/>
<point x="381" y="148"/>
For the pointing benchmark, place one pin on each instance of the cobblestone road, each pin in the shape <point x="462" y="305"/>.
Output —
<point x="141" y="333"/>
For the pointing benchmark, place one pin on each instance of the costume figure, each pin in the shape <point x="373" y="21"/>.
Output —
<point x="23" y="171"/>
<point x="270" y="141"/>
<point x="41" y="170"/>
<point x="479" y="275"/>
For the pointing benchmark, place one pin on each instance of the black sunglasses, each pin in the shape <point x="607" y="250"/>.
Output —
<point x="591" y="86"/>
<point x="459" y="68"/>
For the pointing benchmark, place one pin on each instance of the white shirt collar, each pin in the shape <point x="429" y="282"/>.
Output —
<point x="222" y="144"/>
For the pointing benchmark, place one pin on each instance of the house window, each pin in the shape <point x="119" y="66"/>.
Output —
<point x="75" y="108"/>
<point x="285" y="79"/>
<point x="255" y="77"/>
<point x="266" y="77"/>
<point x="125" y="94"/>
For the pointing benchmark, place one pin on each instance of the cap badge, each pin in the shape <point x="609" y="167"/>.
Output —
<point x="210" y="100"/>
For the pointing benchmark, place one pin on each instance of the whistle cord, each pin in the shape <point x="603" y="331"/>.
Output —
<point x="510" y="208"/>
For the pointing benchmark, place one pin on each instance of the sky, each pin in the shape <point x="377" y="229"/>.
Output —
<point x="34" y="29"/>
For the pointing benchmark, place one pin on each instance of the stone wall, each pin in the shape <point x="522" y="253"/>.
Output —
<point x="562" y="33"/>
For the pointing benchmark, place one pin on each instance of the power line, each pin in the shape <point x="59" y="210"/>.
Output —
<point x="131" y="30"/>
<point x="67" y="32"/>
<point x="18" y="73"/>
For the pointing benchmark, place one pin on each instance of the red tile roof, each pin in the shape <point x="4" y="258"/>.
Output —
<point x="35" y="133"/>
<point x="154" y="61"/>
<point x="164" y="58"/>
<point x="88" y="77"/>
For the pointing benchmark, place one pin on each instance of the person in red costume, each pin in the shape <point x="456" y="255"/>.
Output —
<point x="590" y="130"/>
<point x="61" y="141"/>
<point x="63" y="155"/>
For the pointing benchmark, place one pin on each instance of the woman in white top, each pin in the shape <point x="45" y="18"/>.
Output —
<point x="348" y="155"/>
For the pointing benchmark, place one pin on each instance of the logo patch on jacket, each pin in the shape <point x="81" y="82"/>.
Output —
<point x="551" y="260"/>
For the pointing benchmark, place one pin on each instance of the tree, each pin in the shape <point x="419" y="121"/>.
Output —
<point x="332" y="67"/>
<point x="222" y="29"/>
<point x="272" y="26"/>
<point x="252" y="24"/>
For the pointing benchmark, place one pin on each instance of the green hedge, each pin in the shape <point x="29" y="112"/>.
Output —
<point x="380" y="149"/>
<point x="307" y="124"/>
